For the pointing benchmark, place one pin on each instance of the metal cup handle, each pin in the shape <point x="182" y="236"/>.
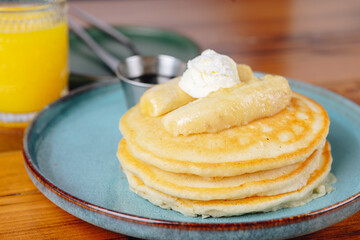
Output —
<point x="108" y="59"/>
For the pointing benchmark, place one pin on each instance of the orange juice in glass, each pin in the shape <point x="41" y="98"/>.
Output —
<point x="33" y="58"/>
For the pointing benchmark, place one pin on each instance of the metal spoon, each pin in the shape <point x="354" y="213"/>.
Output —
<point x="137" y="73"/>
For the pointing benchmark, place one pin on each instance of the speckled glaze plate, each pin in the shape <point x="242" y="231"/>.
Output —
<point x="70" y="155"/>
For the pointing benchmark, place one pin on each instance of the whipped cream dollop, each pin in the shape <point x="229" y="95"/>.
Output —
<point x="207" y="73"/>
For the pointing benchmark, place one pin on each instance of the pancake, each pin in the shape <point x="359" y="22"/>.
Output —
<point x="187" y="186"/>
<point x="283" y="139"/>
<point x="316" y="186"/>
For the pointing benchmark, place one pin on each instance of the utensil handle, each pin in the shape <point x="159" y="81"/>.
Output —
<point x="106" y="28"/>
<point x="108" y="59"/>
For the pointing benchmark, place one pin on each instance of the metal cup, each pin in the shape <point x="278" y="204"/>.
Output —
<point x="139" y="73"/>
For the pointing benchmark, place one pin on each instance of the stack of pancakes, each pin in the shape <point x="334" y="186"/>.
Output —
<point x="271" y="163"/>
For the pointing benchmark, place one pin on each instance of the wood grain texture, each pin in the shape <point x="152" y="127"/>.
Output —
<point x="315" y="41"/>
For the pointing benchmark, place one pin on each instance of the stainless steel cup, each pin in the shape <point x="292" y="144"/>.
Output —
<point x="137" y="73"/>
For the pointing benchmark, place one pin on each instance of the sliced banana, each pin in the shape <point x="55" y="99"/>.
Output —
<point x="245" y="73"/>
<point x="164" y="98"/>
<point x="168" y="96"/>
<point x="235" y="106"/>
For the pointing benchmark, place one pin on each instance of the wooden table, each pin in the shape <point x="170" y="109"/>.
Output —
<point x="315" y="41"/>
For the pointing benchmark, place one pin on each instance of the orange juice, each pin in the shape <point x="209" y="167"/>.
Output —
<point x="33" y="59"/>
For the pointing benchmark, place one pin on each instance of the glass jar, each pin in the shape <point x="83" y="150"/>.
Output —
<point x="33" y="58"/>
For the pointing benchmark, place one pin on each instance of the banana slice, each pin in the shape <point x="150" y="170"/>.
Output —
<point x="225" y="108"/>
<point x="168" y="96"/>
<point x="164" y="98"/>
<point x="245" y="73"/>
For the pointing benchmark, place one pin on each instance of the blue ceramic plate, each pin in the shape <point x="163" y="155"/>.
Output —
<point x="70" y="154"/>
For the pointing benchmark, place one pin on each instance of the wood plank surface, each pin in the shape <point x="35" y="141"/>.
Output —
<point x="315" y="41"/>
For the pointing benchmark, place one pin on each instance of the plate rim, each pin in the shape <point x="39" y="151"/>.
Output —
<point x="29" y="164"/>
